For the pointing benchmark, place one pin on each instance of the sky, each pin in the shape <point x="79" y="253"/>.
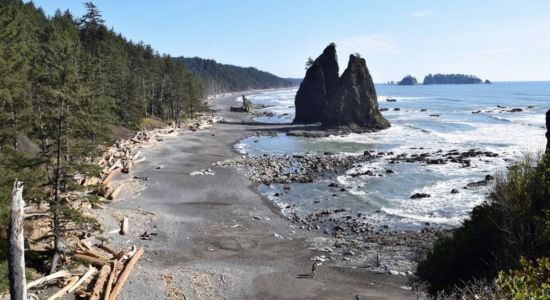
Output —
<point x="500" y="40"/>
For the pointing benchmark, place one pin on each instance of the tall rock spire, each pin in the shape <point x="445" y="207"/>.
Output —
<point x="348" y="102"/>
<point x="320" y="83"/>
<point x="548" y="131"/>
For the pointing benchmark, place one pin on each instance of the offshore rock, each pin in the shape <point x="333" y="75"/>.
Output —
<point x="349" y="102"/>
<point x="408" y="80"/>
<point x="355" y="105"/>
<point x="548" y="131"/>
<point x="320" y="83"/>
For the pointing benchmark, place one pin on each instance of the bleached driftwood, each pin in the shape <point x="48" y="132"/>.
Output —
<point x="127" y="166"/>
<point x="72" y="281"/>
<point x="91" y="271"/>
<point x="110" y="177"/>
<point x="16" y="257"/>
<point x="140" y="160"/>
<point x="58" y="274"/>
<point x="114" y="194"/>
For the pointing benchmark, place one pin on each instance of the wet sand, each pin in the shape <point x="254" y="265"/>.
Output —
<point x="216" y="237"/>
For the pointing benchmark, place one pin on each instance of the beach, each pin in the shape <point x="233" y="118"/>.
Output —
<point x="212" y="235"/>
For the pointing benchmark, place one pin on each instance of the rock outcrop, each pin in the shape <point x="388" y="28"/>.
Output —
<point x="408" y="80"/>
<point x="548" y="131"/>
<point x="320" y="83"/>
<point x="348" y="102"/>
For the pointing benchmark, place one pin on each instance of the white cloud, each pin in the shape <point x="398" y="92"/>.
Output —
<point x="421" y="14"/>
<point x="368" y="45"/>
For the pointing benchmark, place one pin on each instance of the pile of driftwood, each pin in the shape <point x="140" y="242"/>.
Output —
<point x="202" y="122"/>
<point x="112" y="272"/>
<point x="112" y="267"/>
<point x="120" y="158"/>
<point x="124" y="154"/>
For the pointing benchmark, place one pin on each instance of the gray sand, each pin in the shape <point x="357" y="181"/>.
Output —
<point x="215" y="233"/>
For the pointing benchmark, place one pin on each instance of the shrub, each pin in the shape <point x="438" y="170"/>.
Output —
<point x="150" y="123"/>
<point x="531" y="281"/>
<point x="513" y="223"/>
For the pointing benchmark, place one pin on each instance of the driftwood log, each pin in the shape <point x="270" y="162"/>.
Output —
<point x="95" y="261"/>
<point x="58" y="274"/>
<point x="125" y="273"/>
<point x="72" y="281"/>
<point x="110" y="177"/>
<point x="113" y="252"/>
<point x="110" y="281"/>
<point x="16" y="247"/>
<point x="91" y="271"/>
<point x="114" y="194"/>
<point x="100" y="282"/>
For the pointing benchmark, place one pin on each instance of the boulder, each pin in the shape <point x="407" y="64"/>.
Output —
<point x="348" y="102"/>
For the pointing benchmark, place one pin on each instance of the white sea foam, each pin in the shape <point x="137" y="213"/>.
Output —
<point x="240" y="148"/>
<point x="413" y="131"/>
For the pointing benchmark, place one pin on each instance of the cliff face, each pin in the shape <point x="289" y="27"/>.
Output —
<point x="320" y="83"/>
<point x="548" y="131"/>
<point x="346" y="102"/>
<point x="355" y="104"/>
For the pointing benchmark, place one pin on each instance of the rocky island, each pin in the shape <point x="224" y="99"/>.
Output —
<point x="451" y="79"/>
<point x="408" y="80"/>
<point x="346" y="103"/>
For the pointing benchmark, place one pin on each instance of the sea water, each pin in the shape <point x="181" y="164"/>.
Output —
<point x="430" y="118"/>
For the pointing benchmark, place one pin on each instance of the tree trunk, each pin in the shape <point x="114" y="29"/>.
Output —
<point x="16" y="250"/>
<point x="43" y="135"/>
<point x="144" y="95"/>
<point x="57" y="187"/>
<point x="153" y="100"/>
<point x="14" y="124"/>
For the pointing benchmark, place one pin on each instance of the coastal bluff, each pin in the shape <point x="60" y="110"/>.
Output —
<point x="348" y="102"/>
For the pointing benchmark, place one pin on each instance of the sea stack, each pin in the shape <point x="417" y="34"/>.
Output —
<point x="320" y="84"/>
<point x="348" y="102"/>
<point x="548" y="131"/>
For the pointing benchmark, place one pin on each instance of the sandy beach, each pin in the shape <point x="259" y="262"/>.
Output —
<point x="213" y="236"/>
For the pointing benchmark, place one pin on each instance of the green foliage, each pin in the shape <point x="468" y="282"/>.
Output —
<point x="16" y="165"/>
<point x="219" y="78"/>
<point x="4" y="279"/>
<point x="531" y="281"/>
<point x="451" y="79"/>
<point x="64" y="83"/>
<point x="514" y="223"/>
<point x="310" y="61"/>
<point x="150" y="123"/>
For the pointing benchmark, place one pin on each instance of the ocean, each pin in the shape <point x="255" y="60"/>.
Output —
<point x="424" y="119"/>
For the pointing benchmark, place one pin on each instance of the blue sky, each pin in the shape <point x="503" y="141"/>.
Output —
<point x="497" y="39"/>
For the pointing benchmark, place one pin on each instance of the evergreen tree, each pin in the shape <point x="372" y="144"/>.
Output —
<point x="14" y="101"/>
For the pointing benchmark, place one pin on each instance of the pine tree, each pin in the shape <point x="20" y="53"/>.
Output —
<point x="14" y="97"/>
<point x="61" y="87"/>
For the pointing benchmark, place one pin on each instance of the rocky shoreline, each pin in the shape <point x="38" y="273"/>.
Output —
<point x="346" y="238"/>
